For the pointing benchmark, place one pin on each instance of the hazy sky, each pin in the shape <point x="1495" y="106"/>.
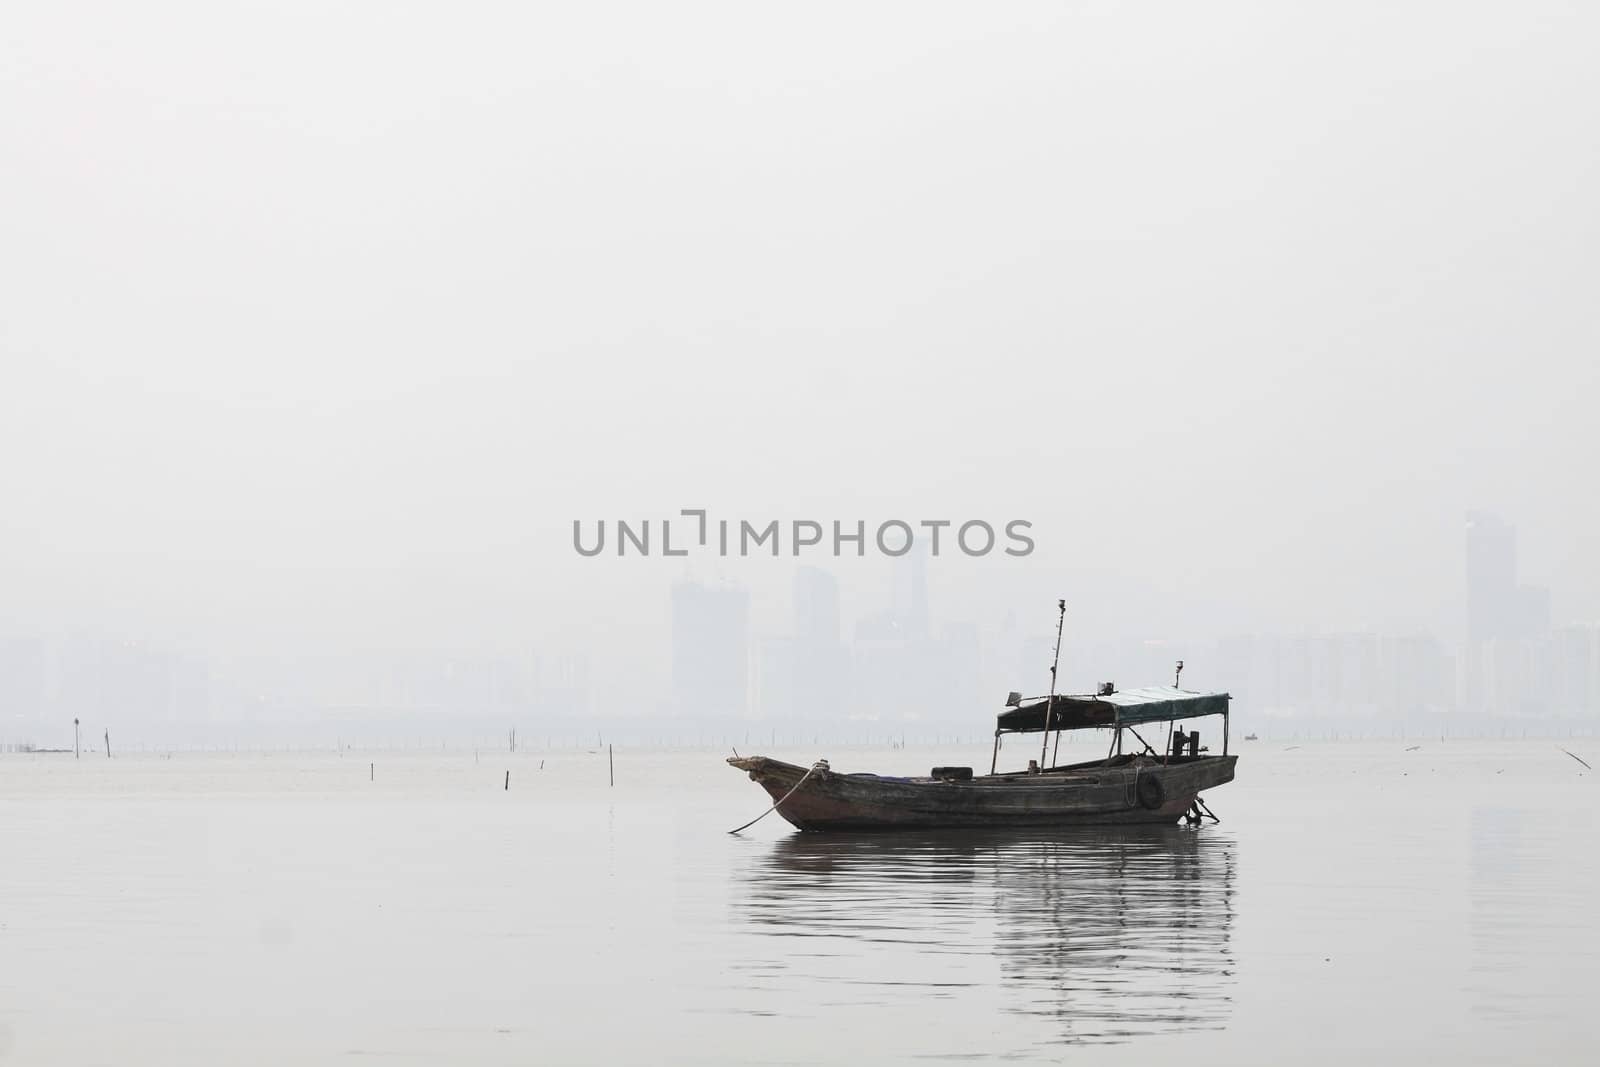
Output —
<point x="322" y="322"/>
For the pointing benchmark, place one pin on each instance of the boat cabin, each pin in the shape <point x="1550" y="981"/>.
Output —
<point x="1117" y="711"/>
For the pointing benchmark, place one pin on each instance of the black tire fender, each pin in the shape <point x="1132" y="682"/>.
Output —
<point x="1152" y="793"/>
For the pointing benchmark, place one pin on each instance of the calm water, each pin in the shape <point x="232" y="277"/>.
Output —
<point x="1356" y="899"/>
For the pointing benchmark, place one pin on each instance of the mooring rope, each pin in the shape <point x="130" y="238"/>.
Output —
<point x="820" y="765"/>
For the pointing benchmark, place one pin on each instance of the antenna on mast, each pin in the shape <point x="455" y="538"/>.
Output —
<point x="1050" y="705"/>
<point x="1177" y="676"/>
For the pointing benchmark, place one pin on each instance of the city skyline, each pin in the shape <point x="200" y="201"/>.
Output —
<point x="898" y="661"/>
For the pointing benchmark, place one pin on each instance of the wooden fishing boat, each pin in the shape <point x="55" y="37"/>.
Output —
<point x="1147" y="786"/>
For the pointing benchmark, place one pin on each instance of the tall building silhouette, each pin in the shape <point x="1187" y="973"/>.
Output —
<point x="816" y="606"/>
<point x="710" y="650"/>
<point x="821" y="682"/>
<point x="908" y="595"/>
<point x="1497" y="607"/>
<point x="1491" y="576"/>
<point x="1505" y="666"/>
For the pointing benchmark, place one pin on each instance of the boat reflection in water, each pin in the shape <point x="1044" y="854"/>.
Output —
<point x="1103" y="935"/>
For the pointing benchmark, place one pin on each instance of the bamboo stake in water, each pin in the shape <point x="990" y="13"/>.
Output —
<point x="508" y="781"/>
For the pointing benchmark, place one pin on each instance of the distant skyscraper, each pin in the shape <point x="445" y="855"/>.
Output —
<point x="908" y="595"/>
<point x="1505" y="667"/>
<point x="816" y="606"/>
<point x="1575" y="668"/>
<point x="710" y="650"/>
<point x="820" y="683"/>
<point x="1491" y="577"/>
<point x="1497" y="607"/>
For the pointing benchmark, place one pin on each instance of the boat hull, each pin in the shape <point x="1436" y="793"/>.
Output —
<point x="1082" y="795"/>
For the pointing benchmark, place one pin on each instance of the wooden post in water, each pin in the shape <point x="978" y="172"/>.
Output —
<point x="75" y="754"/>
<point x="611" y="765"/>
<point x="108" y="744"/>
<point x="508" y="781"/>
<point x="372" y="772"/>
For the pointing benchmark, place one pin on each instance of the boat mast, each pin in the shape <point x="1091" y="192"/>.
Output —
<point x="1050" y="705"/>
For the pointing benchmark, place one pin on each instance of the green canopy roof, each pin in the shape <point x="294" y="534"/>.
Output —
<point x="1155" y="703"/>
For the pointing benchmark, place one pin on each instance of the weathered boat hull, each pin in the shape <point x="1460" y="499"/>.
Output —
<point x="1081" y="795"/>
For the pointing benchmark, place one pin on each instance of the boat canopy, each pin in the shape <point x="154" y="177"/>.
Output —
<point x="1130" y="707"/>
